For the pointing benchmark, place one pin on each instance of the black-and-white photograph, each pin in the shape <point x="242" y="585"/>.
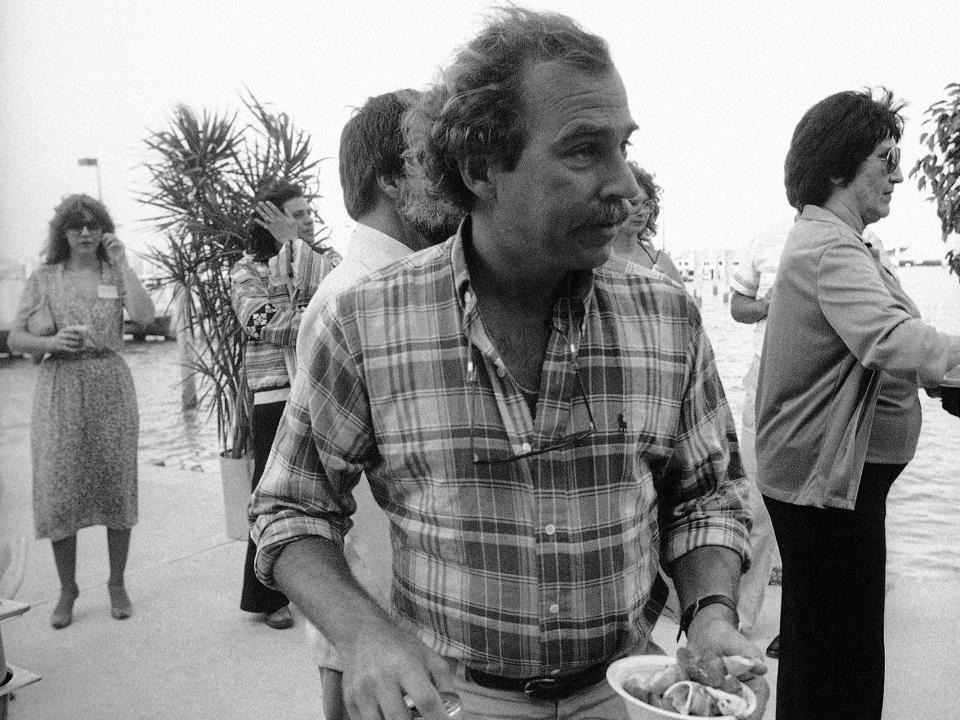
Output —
<point x="545" y="360"/>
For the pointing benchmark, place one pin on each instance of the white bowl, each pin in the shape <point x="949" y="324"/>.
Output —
<point x="623" y="669"/>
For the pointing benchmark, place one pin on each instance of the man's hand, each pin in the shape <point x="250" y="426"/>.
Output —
<point x="386" y="663"/>
<point x="276" y="222"/>
<point x="712" y="631"/>
<point x="381" y="661"/>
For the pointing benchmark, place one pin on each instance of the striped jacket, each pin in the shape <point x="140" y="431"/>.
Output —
<point x="269" y="306"/>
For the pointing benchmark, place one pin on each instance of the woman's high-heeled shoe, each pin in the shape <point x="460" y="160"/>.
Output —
<point x="120" y="606"/>
<point x="63" y="613"/>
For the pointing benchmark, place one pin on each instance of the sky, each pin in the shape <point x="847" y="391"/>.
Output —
<point x="715" y="87"/>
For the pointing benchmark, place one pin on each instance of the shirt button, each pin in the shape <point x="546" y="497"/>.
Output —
<point x="554" y="609"/>
<point x="525" y="447"/>
<point x="550" y="529"/>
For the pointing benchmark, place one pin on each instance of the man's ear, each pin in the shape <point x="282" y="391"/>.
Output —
<point x="388" y="186"/>
<point x="480" y="178"/>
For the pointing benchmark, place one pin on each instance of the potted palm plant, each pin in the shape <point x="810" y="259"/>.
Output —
<point x="206" y="172"/>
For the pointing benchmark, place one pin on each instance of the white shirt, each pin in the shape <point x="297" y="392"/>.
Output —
<point x="367" y="251"/>
<point x="756" y="273"/>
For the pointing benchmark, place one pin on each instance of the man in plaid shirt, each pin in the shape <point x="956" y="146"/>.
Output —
<point x="543" y="428"/>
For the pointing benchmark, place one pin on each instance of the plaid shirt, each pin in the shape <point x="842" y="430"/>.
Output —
<point x="537" y="565"/>
<point x="269" y="311"/>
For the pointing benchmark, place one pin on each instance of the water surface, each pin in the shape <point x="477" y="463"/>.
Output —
<point x="923" y="513"/>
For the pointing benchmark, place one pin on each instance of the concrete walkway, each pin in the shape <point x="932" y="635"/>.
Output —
<point x="189" y="652"/>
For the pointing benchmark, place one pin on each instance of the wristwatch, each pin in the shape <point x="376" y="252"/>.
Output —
<point x="687" y="616"/>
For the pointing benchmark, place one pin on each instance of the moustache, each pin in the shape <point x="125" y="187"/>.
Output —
<point x="610" y="213"/>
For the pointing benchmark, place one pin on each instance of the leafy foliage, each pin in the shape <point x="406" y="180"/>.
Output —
<point x="207" y="171"/>
<point x="940" y="167"/>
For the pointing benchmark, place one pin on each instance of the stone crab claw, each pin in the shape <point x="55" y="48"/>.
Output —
<point x="728" y="703"/>
<point x="689" y="698"/>
<point x="692" y="698"/>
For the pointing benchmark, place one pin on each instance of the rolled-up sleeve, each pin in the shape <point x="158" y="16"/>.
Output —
<point x="704" y="493"/>
<point x="321" y="448"/>
<point x="746" y="276"/>
<point x="877" y="328"/>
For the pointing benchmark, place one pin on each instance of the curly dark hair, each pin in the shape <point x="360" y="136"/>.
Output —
<point x="71" y="212"/>
<point x="645" y="180"/>
<point x="472" y="117"/>
<point x="833" y="138"/>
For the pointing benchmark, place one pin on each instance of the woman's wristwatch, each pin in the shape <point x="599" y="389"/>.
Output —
<point x="687" y="616"/>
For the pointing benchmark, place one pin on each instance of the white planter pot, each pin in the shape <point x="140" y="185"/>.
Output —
<point x="236" y="475"/>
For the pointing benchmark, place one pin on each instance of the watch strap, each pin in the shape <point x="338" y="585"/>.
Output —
<point x="687" y="616"/>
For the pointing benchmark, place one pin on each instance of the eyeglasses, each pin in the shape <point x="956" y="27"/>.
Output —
<point x="92" y="226"/>
<point x="565" y="441"/>
<point x="892" y="159"/>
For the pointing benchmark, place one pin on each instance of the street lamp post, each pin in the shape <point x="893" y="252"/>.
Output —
<point x="86" y="162"/>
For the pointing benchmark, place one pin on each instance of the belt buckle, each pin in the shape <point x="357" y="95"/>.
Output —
<point x="539" y="688"/>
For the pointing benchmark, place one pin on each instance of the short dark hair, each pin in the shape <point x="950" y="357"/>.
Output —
<point x="645" y="180"/>
<point x="71" y="212"/>
<point x="261" y="244"/>
<point x="372" y="145"/>
<point x="833" y="138"/>
<point x="474" y="115"/>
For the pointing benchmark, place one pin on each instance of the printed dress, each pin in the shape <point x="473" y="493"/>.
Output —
<point x="85" y="421"/>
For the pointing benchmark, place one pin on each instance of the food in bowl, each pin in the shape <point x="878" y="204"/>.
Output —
<point x="696" y="685"/>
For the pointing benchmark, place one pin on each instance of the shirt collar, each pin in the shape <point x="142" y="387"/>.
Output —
<point x="817" y="213"/>
<point x="366" y="241"/>
<point x="579" y="284"/>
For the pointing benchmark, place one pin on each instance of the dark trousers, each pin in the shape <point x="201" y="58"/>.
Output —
<point x="831" y="615"/>
<point x="257" y="597"/>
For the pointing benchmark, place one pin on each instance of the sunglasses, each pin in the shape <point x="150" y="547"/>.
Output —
<point x="566" y="441"/>
<point x="892" y="159"/>
<point x="91" y="226"/>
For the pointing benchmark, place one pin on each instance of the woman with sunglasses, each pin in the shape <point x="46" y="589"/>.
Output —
<point x="634" y="242"/>
<point x="85" y="420"/>
<point x="838" y="414"/>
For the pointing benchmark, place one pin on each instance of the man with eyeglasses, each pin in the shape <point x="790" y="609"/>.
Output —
<point x="541" y="427"/>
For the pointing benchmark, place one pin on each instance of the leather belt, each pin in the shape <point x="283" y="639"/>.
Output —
<point x="547" y="687"/>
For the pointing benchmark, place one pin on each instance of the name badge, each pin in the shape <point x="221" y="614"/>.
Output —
<point x="108" y="292"/>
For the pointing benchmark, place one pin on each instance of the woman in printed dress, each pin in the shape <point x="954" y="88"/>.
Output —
<point x="85" y="423"/>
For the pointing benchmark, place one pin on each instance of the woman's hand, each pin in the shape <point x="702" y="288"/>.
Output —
<point x="69" y="339"/>
<point x="116" y="250"/>
<point x="276" y="222"/>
